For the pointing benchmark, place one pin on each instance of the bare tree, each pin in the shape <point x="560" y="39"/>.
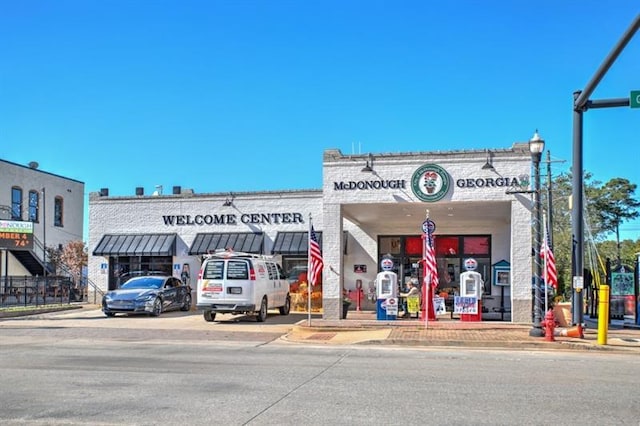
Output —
<point x="74" y="257"/>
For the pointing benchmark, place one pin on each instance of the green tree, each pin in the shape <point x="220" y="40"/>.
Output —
<point x="615" y="204"/>
<point x="607" y="206"/>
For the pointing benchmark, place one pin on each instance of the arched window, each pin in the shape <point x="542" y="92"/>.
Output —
<point x="57" y="211"/>
<point x="34" y="206"/>
<point x="16" y="203"/>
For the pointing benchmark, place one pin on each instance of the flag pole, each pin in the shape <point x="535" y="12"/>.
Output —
<point x="309" y="272"/>
<point x="546" y="256"/>
<point x="426" y="280"/>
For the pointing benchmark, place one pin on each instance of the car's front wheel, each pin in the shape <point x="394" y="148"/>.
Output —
<point x="109" y="314"/>
<point x="187" y="303"/>
<point x="157" y="307"/>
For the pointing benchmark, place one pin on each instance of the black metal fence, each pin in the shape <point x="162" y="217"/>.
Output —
<point x="36" y="291"/>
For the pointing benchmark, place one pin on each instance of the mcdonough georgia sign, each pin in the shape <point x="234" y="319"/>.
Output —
<point x="431" y="183"/>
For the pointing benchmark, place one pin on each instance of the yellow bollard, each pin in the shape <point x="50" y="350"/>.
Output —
<point x="603" y="314"/>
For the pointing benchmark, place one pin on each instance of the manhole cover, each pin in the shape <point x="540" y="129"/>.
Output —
<point x="321" y="336"/>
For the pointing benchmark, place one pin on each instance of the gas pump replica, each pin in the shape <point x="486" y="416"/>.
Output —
<point x="386" y="291"/>
<point x="469" y="303"/>
<point x="430" y="269"/>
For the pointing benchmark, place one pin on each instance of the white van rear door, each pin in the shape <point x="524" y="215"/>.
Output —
<point x="210" y="285"/>
<point x="238" y="285"/>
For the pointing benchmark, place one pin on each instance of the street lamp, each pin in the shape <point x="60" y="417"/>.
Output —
<point x="536" y="146"/>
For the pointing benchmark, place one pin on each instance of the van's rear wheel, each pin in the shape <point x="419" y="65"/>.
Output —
<point x="262" y="313"/>
<point x="284" y="310"/>
<point x="209" y="316"/>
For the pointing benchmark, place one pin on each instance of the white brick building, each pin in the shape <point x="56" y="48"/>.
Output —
<point x="55" y="206"/>
<point x="361" y="214"/>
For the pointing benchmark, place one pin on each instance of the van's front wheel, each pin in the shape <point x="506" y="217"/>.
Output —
<point x="209" y="316"/>
<point x="262" y="313"/>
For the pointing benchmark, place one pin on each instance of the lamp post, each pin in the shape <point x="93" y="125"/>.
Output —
<point x="44" y="236"/>
<point x="536" y="146"/>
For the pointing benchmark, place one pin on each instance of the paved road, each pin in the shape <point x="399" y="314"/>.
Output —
<point x="84" y="369"/>
<point x="359" y="329"/>
<point x="90" y="323"/>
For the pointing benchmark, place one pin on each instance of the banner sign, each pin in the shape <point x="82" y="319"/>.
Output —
<point x="465" y="305"/>
<point x="16" y="235"/>
<point x="16" y="226"/>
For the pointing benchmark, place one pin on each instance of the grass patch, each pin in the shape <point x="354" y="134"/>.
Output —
<point x="16" y="311"/>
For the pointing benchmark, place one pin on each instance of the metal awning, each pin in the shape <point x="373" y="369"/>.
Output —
<point x="136" y="245"/>
<point x="293" y="243"/>
<point x="248" y="242"/>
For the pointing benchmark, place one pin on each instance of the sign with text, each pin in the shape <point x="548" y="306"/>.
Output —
<point x="634" y="99"/>
<point x="16" y="235"/>
<point x="392" y="306"/>
<point x="465" y="305"/>
<point x="16" y="226"/>
<point x="16" y="241"/>
<point x="359" y="269"/>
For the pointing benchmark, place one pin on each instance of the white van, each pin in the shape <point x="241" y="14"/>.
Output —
<point x="241" y="283"/>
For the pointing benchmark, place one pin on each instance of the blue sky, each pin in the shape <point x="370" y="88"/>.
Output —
<point x="224" y="96"/>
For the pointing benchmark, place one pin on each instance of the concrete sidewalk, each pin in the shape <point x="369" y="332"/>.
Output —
<point x="360" y="327"/>
<point x="363" y="328"/>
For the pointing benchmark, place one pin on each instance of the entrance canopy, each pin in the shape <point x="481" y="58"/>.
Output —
<point x="248" y="242"/>
<point x="405" y="217"/>
<point x="136" y="245"/>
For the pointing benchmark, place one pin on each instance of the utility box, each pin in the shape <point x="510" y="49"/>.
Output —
<point x="387" y="295"/>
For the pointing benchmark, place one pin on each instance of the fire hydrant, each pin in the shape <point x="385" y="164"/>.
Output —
<point x="549" y="325"/>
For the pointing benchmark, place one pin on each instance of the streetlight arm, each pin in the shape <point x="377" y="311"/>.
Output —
<point x="581" y="101"/>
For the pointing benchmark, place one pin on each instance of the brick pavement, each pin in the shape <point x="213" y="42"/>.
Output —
<point x="363" y="328"/>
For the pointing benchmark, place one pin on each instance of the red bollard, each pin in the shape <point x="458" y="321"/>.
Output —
<point x="359" y="299"/>
<point x="549" y="325"/>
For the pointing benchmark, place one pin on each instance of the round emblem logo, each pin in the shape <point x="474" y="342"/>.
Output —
<point x="430" y="183"/>
<point x="428" y="226"/>
<point x="470" y="264"/>
<point x="386" y="264"/>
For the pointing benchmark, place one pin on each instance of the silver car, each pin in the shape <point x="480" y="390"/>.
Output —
<point x="150" y="295"/>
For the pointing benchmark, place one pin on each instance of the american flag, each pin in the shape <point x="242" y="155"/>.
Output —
<point x="550" y="272"/>
<point x="431" y="268"/>
<point x="315" y="258"/>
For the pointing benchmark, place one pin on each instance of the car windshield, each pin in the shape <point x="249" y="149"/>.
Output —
<point x="144" y="282"/>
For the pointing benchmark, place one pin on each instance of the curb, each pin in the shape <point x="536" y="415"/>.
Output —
<point x="36" y="312"/>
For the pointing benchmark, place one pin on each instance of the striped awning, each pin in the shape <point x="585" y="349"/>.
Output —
<point x="293" y="243"/>
<point x="248" y="242"/>
<point x="136" y="245"/>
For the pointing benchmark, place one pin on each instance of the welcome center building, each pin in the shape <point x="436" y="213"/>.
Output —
<point x="370" y="207"/>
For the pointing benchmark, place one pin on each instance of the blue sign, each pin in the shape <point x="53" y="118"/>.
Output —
<point x="428" y="226"/>
<point x="386" y="264"/>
